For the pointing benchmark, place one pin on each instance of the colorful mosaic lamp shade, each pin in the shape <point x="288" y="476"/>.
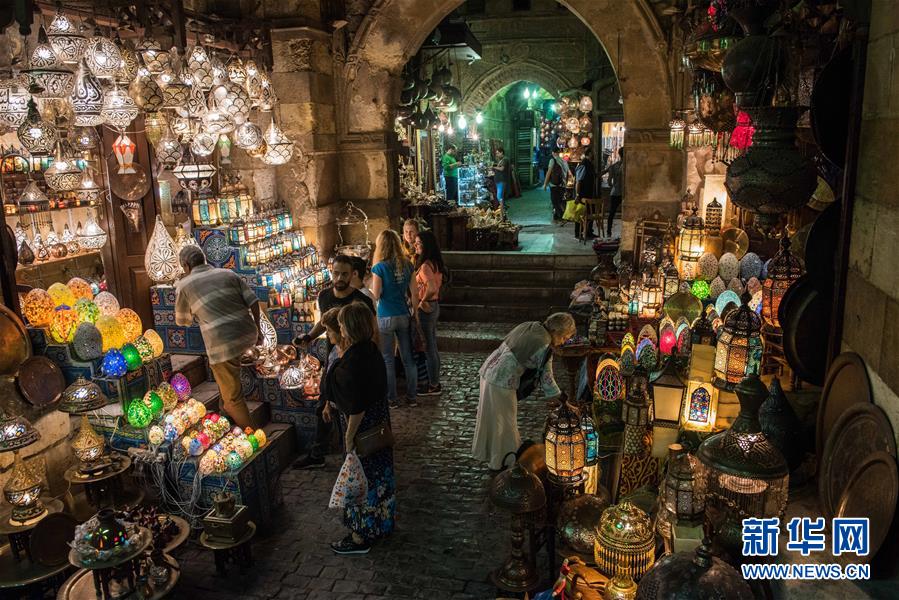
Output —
<point x="690" y="245"/>
<point x="181" y="385"/>
<point x="139" y="415"/>
<point x="746" y="475"/>
<point x="591" y="440"/>
<point x="155" y="342"/>
<point x="783" y="270"/>
<point x="738" y="352"/>
<point x="114" y="364"/>
<point x="700" y="406"/>
<point x="565" y="447"/>
<point x="132" y="357"/>
<point x="81" y="397"/>
<point x="625" y="541"/>
<point x="130" y="323"/>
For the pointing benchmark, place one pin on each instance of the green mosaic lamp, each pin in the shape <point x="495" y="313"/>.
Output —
<point x="133" y="360"/>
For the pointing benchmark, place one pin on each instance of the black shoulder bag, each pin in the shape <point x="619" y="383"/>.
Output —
<point x="528" y="380"/>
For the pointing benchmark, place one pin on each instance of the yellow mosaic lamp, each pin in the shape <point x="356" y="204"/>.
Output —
<point x="63" y="325"/>
<point x="155" y="342"/>
<point x="37" y="307"/>
<point x="111" y="331"/>
<point x="61" y="294"/>
<point x="80" y="288"/>
<point x="130" y="323"/>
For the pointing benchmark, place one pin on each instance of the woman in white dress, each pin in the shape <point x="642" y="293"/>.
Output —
<point x="527" y="347"/>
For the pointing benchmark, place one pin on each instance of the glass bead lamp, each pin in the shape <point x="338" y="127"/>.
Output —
<point x="279" y="149"/>
<point x="113" y="336"/>
<point x="783" y="270"/>
<point x="36" y="134"/>
<point x="65" y="39"/>
<point x="181" y="385"/>
<point x="130" y="323"/>
<point x="114" y="364"/>
<point x="625" y="541"/>
<point x="738" y="352"/>
<point x="565" y="447"/>
<point x="161" y="260"/>
<point x="37" y="308"/>
<point x="87" y="98"/>
<point x="63" y="325"/>
<point x="63" y="175"/>
<point x="133" y="360"/>
<point x="87" y="344"/>
<point x="139" y="415"/>
<point x="102" y="56"/>
<point x="81" y="397"/>
<point x="745" y="474"/>
<point x="107" y="304"/>
<point x="155" y="342"/>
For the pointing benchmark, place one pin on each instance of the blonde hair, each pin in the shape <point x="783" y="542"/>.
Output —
<point x="389" y="249"/>
<point x="560" y="324"/>
<point x="357" y="323"/>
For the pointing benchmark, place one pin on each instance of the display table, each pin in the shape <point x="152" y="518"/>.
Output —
<point x="19" y="535"/>
<point x="80" y="586"/>
<point x="21" y="575"/>
<point x="105" y="489"/>
<point x="238" y="553"/>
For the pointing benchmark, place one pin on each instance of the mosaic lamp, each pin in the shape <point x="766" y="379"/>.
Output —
<point x="192" y="174"/>
<point x="114" y="364"/>
<point x="107" y="303"/>
<point x="37" y="307"/>
<point x="625" y="541"/>
<point x="80" y="288"/>
<point x="738" y="352"/>
<point x="746" y="475"/>
<point x="139" y="415"/>
<point x="690" y="245"/>
<point x="155" y="342"/>
<point x="16" y="433"/>
<point x="700" y="406"/>
<point x="63" y="324"/>
<point x="130" y="323"/>
<point x="181" y="385"/>
<point x="132" y="357"/>
<point x="154" y="401"/>
<point x="698" y="576"/>
<point x="81" y="397"/>
<point x="783" y="270"/>
<point x="111" y="331"/>
<point x="170" y="397"/>
<point x="565" y="447"/>
<point x="88" y="342"/>
<point x="23" y="488"/>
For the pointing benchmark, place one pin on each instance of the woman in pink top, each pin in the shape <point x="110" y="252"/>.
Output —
<point x="429" y="274"/>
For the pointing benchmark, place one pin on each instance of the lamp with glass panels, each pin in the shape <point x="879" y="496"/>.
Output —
<point x="783" y="270"/>
<point x="36" y="134"/>
<point x="565" y="447"/>
<point x="738" y="352"/>
<point x="23" y="487"/>
<point x="667" y="392"/>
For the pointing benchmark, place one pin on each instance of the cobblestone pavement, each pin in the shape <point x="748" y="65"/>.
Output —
<point x="447" y="539"/>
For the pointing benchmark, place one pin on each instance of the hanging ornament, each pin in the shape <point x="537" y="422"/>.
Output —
<point x="248" y="136"/>
<point x="35" y="134"/>
<point x="182" y="127"/>
<point x="65" y="39"/>
<point x="102" y="56"/>
<point x="47" y="72"/>
<point x="203" y="144"/>
<point x="84" y="138"/>
<point x="127" y="70"/>
<point x="161" y="259"/>
<point x="13" y="102"/>
<point x="175" y="93"/>
<point x="253" y="81"/>
<point x="155" y="125"/>
<point x="63" y="175"/>
<point x="216" y="121"/>
<point x="118" y="109"/>
<point x="219" y="72"/>
<point x="123" y="148"/>
<point x="200" y="67"/>
<point x="279" y="148"/>
<point x="168" y="150"/>
<point x="154" y="56"/>
<point x="86" y="98"/>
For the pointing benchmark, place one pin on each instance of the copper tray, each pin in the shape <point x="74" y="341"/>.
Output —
<point x="847" y="384"/>
<point x="735" y="241"/>
<point x="15" y="343"/>
<point x="50" y="539"/>
<point x="871" y="492"/>
<point x="862" y="430"/>
<point x="41" y="381"/>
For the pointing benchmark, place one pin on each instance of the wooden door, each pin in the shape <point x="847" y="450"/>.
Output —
<point x="126" y="275"/>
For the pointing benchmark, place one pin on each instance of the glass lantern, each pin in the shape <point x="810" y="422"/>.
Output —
<point x="738" y="352"/>
<point x="684" y="487"/>
<point x="204" y="209"/>
<point x="690" y="245"/>
<point x="700" y="406"/>
<point x="783" y="270"/>
<point x="50" y="77"/>
<point x="565" y="445"/>
<point x="192" y="174"/>
<point x="714" y="214"/>
<point x="650" y="298"/>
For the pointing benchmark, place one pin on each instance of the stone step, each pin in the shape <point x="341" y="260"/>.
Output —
<point x="494" y="313"/>
<point x="505" y="295"/>
<point x="524" y="278"/>
<point x="471" y="337"/>
<point x="518" y="260"/>
<point x="208" y="393"/>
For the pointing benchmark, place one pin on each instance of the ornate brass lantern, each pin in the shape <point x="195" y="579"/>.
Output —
<point x="81" y="397"/>
<point x="738" y="352"/>
<point x="671" y="279"/>
<point x="650" y="297"/>
<point x="23" y="488"/>
<point x="698" y="576"/>
<point x="690" y="245"/>
<point x="714" y="214"/>
<point x="625" y="541"/>
<point x="521" y="493"/>
<point x="784" y="269"/>
<point x="566" y="449"/>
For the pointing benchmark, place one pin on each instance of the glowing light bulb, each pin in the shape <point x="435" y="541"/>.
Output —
<point x="479" y="118"/>
<point x="462" y="122"/>
<point x="527" y="93"/>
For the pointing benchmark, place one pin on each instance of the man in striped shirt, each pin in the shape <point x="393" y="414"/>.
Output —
<point x="228" y="314"/>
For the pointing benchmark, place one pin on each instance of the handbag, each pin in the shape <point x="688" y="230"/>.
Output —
<point x="527" y="383"/>
<point x="374" y="439"/>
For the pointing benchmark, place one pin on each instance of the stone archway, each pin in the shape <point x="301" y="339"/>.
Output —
<point x="368" y="85"/>
<point x="487" y="85"/>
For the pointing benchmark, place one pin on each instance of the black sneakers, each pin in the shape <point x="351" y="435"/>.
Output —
<point x="308" y="462"/>
<point x="348" y="546"/>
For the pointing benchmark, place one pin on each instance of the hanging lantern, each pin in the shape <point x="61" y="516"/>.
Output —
<point x="714" y="213"/>
<point x="168" y="150"/>
<point x="118" y="109"/>
<point x="193" y="175"/>
<point x="13" y="102"/>
<point x="232" y="99"/>
<point x="739" y="349"/>
<point x="128" y="68"/>
<point x="248" y="136"/>
<point x="86" y="98"/>
<point x="783" y="270"/>
<point x="123" y="148"/>
<point x="84" y="138"/>
<point x="146" y="92"/>
<point x="203" y="144"/>
<point x="650" y="298"/>
<point x="565" y="447"/>
<point x="102" y="56"/>
<point x="236" y="72"/>
<point x="175" y="95"/>
<point x="690" y="245"/>
<point x="35" y="134"/>
<point x="676" y="129"/>
<point x="204" y="209"/>
<point x="155" y="124"/>
<point x="200" y="67"/>
<point x="63" y="175"/>
<point x="266" y="99"/>
<point x="161" y="260"/>
<point x="625" y="541"/>
<point x="47" y="74"/>
<point x="700" y="406"/>
<point x="279" y="148"/>
<point x="155" y="58"/>
<point x="64" y="37"/>
<point x="92" y="235"/>
<point x="671" y="280"/>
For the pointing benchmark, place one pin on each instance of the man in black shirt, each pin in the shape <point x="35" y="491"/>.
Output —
<point x="339" y="294"/>
<point x="584" y="188"/>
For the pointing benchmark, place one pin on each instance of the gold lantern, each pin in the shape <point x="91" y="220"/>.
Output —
<point x="23" y="488"/>
<point x="690" y="244"/>
<point x="738" y="352"/>
<point x="650" y="298"/>
<point x="625" y="541"/>
<point x="566" y="447"/>
<point x="783" y="270"/>
<point x="714" y="214"/>
<point x="88" y="447"/>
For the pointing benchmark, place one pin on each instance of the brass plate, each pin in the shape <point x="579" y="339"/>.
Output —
<point x="847" y="384"/>
<point x="822" y="197"/>
<point x="15" y="343"/>
<point x="41" y="381"/>
<point x="735" y="241"/>
<point x="683" y="304"/>
<point x="871" y="492"/>
<point x="862" y="430"/>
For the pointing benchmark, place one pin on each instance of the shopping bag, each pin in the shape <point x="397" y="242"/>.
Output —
<point x="574" y="211"/>
<point x="351" y="487"/>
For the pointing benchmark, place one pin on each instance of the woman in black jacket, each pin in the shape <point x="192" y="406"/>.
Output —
<point x="357" y="385"/>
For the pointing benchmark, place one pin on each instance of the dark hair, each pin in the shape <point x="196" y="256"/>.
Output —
<point x="360" y="266"/>
<point x="344" y="259"/>
<point x="430" y="251"/>
<point x="450" y="147"/>
<point x="500" y="149"/>
<point x="191" y="256"/>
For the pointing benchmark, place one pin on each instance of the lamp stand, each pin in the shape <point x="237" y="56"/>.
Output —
<point x="517" y="574"/>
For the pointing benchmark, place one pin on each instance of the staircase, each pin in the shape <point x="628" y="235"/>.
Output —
<point x="491" y="292"/>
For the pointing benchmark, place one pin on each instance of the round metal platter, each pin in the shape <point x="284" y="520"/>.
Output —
<point x="871" y="492"/>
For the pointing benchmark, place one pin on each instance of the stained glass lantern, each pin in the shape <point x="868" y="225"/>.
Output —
<point x="714" y="214"/>
<point x="88" y="343"/>
<point x="155" y="342"/>
<point x="738" y="352"/>
<point x="130" y="323"/>
<point x="107" y="304"/>
<point x="181" y="385"/>
<point x="684" y="487"/>
<point x="161" y="260"/>
<point x="204" y="209"/>
<point x="279" y="148"/>
<point x="690" y="245"/>
<point x="650" y="298"/>
<point x="14" y="102"/>
<point x="23" y="491"/>
<point x="113" y="336"/>
<point x="700" y="406"/>
<point x="119" y="109"/>
<point x="671" y="280"/>
<point x="192" y="174"/>
<point x="700" y="289"/>
<point x="102" y="56"/>
<point x="591" y="440"/>
<point x="139" y="415"/>
<point x="48" y="75"/>
<point x="66" y="40"/>
<point x="667" y="393"/>
<point x="625" y="541"/>
<point x="783" y="270"/>
<point x="132" y="357"/>
<point x="746" y="475"/>
<point x="114" y="364"/>
<point x="63" y="175"/>
<point x="87" y="98"/>
<point x="37" y="307"/>
<point x="81" y="397"/>
<point x="627" y="361"/>
<point x="565" y="445"/>
<point x="36" y="134"/>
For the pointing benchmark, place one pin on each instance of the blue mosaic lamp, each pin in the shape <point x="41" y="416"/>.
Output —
<point x="114" y="364"/>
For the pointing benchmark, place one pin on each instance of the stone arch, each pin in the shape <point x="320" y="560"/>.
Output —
<point x="480" y="92"/>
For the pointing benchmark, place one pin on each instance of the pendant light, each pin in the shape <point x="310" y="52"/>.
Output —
<point x="248" y="136"/>
<point x="123" y="149"/>
<point x="155" y="125"/>
<point x="47" y="72"/>
<point x="13" y="102"/>
<point x="200" y="67"/>
<point x="92" y="235"/>
<point x="84" y="138"/>
<point x="37" y="135"/>
<point x="63" y="175"/>
<point x="127" y="70"/>
<point x="156" y="59"/>
<point x="203" y="144"/>
<point x="236" y="71"/>
<point x="33" y="196"/>
<point x="168" y="150"/>
<point x="161" y="259"/>
<point x="86" y="98"/>
<point x="279" y="147"/>
<point x="119" y="109"/>
<point x="145" y="91"/>
<point x="193" y="175"/>
<point x="65" y="39"/>
<point x="88" y="191"/>
<point x="102" y="56"/>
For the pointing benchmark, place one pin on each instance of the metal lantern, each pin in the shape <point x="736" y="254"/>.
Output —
<point x="566" y="448"/>
<point x="87" y="98"/>
<point x="650" y="297"/>
<point x="129" y="66"/>
<point x="591" y="440"/>
<point x="168" y="150"/>
<point x="13" y="102"/>
<point x="783" y="270"/>
<point x="714" y="213"/>
<point x="63" y="175"/>
<point x="66" y="40"/>
<point x="697" y="576"/>
<point x="118" y="109"/>
<point x="676" y="129"/>
<point x="203" y="144"/>
<point x="81" y="397"/>
<point x="200" y="67"/>
<point x="146" y="91"/>
<point x="248" y="136"/>
<point x="625" y="541"/>
<point x="88" y="445"/>
<point x="683" y="494"/>
<point x="102" y="56"/>
<point x="690" y="245"/>
<point x="279" y="148"/>
<point x="671" y="280"/>
<point x="700" y="406"/>
<point x="746" y="475"/>
<point x="37" y="135"/>
<point x="16" y="433"/>
<point x="193" y="175"/>
<point x="521" y="493"/>
<point x="23" y="491"/>
<point x="49" y="77"/>
<point x="738" y="352"/>
<point x="667" y="393"/>
<point x="154" y="56"/>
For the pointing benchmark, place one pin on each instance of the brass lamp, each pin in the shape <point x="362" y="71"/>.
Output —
<point x="671" y="279"/>
<point x="23" y="488"/>
<point x="738" y="352"/>
<point x="650" y="297"/>
<point x="783" y="270"/>
<point x="690" y="245"/>
<point x="520" y="492"/>
<point x="566" y="447"/>
<point x="684" y="487"/>
<point x="625" y="541"/>
<point x="693" y="575"/>
<point x="88" y="446"/>
<point x="81" y="397"/>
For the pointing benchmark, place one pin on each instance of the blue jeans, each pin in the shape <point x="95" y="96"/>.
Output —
<point x="501" y="191"/>
<point x="397" y="328"/>
<point x="429" y="327"/>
